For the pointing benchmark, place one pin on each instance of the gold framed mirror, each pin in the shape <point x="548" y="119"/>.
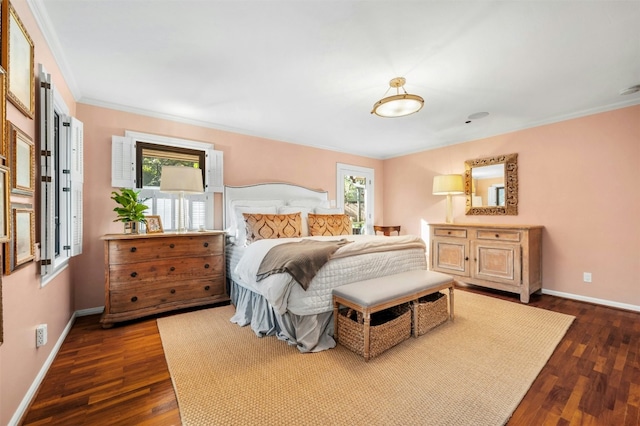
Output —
<point x="491" y="185"/>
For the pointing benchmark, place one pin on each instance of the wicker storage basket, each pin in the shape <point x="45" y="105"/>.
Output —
<point x="431" y="311"/>
<point x="387" y="328"/>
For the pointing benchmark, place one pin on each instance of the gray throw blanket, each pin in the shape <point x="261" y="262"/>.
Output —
<point x="302" y="259"/>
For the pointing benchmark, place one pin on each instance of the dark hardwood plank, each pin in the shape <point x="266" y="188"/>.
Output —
<point x="119" y="376"/>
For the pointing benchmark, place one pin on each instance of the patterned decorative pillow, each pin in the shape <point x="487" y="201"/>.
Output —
<point x="329" y="224"/>
<point x="265" y="226"/>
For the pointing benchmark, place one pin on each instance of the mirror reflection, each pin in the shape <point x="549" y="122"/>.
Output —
<point x="487" y="187"/>
<point x="491" y="185"/>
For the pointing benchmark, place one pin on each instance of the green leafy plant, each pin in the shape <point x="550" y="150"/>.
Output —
<point x="130" y="208"/>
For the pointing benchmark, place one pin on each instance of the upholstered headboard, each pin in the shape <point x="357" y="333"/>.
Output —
<point x="268" y="196"/>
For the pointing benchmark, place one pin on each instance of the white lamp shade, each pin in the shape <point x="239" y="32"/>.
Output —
<point x="176" y="179"/>
<point x="448" y="184"/>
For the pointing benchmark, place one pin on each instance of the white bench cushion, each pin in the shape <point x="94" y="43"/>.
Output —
<point x="383" y="289"/>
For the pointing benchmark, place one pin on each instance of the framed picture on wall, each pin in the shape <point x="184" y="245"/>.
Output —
<point x="4" y="204"/>
<point x="22" y="161"/>
<point x="4" y="145"/>
<point x="18" y="61"/>
<point x="21" y="250"/>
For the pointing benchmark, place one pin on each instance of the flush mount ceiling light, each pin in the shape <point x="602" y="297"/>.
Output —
<point x="400" y="104"/>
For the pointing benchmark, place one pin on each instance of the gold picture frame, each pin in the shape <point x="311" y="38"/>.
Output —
<point x="21" y="250"/>
<point x="22" y="156"/>
<point x="4" y="145"/>
<point x="154" y="224"/>
<point x="18" y="61"/>
<point x="4" y="205"/>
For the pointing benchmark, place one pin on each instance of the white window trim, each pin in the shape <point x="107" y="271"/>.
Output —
<point x="123" y="166"/>
<point x="71" y="158"/>
<point x="366" y="172"/>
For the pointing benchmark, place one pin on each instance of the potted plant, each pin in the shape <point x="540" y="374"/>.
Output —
<point x="130" y="209"/>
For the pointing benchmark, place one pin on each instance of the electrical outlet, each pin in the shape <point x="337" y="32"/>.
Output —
<point x="41" y="335"/>
<point x="586" y="277"/>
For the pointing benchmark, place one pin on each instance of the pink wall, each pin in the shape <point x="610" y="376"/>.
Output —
<point x="25" y="304"/>
<point x="247" y="160"/>
<point x="577" y="178"/>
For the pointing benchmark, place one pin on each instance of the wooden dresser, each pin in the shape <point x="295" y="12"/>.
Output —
<point x="147" y="274"/>
<point x="502" y="257"/>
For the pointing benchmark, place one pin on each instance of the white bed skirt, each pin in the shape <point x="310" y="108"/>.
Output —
<point x="310" y="333"/>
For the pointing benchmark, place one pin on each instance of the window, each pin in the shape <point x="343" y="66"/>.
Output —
<point x="61" y="147"/>
<point x="355" y="189"/>
<point x="137" y="160"/>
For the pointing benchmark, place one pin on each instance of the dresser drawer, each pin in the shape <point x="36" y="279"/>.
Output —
<point x="172" y="269"/>
<point x="498" y="235"/>
<point x="154" y="295"/>
<point x="450" y="232"/>
<point x="143" y="249"/>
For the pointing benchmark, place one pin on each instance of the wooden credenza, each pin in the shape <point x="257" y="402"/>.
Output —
<point x="502" y="257"/>
<point x="147" y="274"/>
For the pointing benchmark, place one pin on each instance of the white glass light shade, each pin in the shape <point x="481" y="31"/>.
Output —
<point x="398" y="105"/>
<point x="448" y="184"/>
<point x="175" y="179"/>
<point x="181" y="180"/>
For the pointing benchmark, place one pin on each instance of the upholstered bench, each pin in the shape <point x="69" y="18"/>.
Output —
<point x="377" y="294"/>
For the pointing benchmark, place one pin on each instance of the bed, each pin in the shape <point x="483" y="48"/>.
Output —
<point x="278" y="304"/>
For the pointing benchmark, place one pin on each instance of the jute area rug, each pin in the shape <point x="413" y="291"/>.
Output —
<point x="474" y="371"/>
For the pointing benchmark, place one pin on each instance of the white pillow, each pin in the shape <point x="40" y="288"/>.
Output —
<point x="304" y="215"/>
<point x="241" y="229"/>
<point x="233" y="223"/>
<point x="334" y="210"/>
<point x="308" y="202"/>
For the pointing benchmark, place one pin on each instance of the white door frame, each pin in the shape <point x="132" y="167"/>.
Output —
<point x="350" y="170"/>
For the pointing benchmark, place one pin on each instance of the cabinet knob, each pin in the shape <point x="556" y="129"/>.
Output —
<point x="134" y="299"/>
<point x="497" y="235"/>
<point x="206" y="244"/>
<point x="172" y="245"/>
<point x="466" y="258"/>
<point x="173" y="291"/>
<point x="448" y="232"/>
<point x="173" y="268"/>
<point x="133" y="249"/>
<point x="206" y="287"/>
<point x="134" y="274"/>
<point x="206" y="266"/>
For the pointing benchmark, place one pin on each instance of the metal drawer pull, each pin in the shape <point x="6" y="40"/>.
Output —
<point x="172" y="245"/>
<point x="172" y="268"/>
<point x="134" y="274"/>
<point x="497" y="235"/>
<point x="133" y="249"/>
<point x="206" y="266"/>
<point x="206" y="244"/>
<point x="206" y="287"/>
<point x="134" y="299"/>
<point x="173" y="291"/>
<point x="448" y="232"/>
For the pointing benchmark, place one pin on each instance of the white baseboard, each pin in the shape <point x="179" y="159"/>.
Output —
<point x="594" y="300"/>
<point x="24" y="404"/>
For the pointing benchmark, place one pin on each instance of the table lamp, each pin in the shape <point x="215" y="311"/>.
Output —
<point x="448" y="185"/>
<point x="181" y="180"/>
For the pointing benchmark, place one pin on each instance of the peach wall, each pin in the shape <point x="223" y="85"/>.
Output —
<point x="247" y="160"/>
<point x="577" y="178"/>
<point x="25" y="304"/>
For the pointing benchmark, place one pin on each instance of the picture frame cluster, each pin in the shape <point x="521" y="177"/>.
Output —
<point x="17" y="150"/>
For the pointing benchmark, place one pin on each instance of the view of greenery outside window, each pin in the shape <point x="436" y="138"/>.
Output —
<point x="354" y="201"/>
<point x="150" y="160"/>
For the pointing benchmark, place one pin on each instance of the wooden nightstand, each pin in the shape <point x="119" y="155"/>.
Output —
<point x="386" y="230"/>
<point x="146" y="274"/>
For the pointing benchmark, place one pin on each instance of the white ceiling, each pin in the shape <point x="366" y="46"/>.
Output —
<point x="309" y="71"/>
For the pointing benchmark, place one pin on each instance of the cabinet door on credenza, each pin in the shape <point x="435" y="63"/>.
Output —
<point x="497" y="262"/>
<point x="450" y="256"/>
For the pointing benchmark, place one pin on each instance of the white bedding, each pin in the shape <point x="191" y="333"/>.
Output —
<point x="368" y="256"/>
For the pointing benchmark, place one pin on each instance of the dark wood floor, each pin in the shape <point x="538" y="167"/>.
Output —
<point x="119" y="376"/>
